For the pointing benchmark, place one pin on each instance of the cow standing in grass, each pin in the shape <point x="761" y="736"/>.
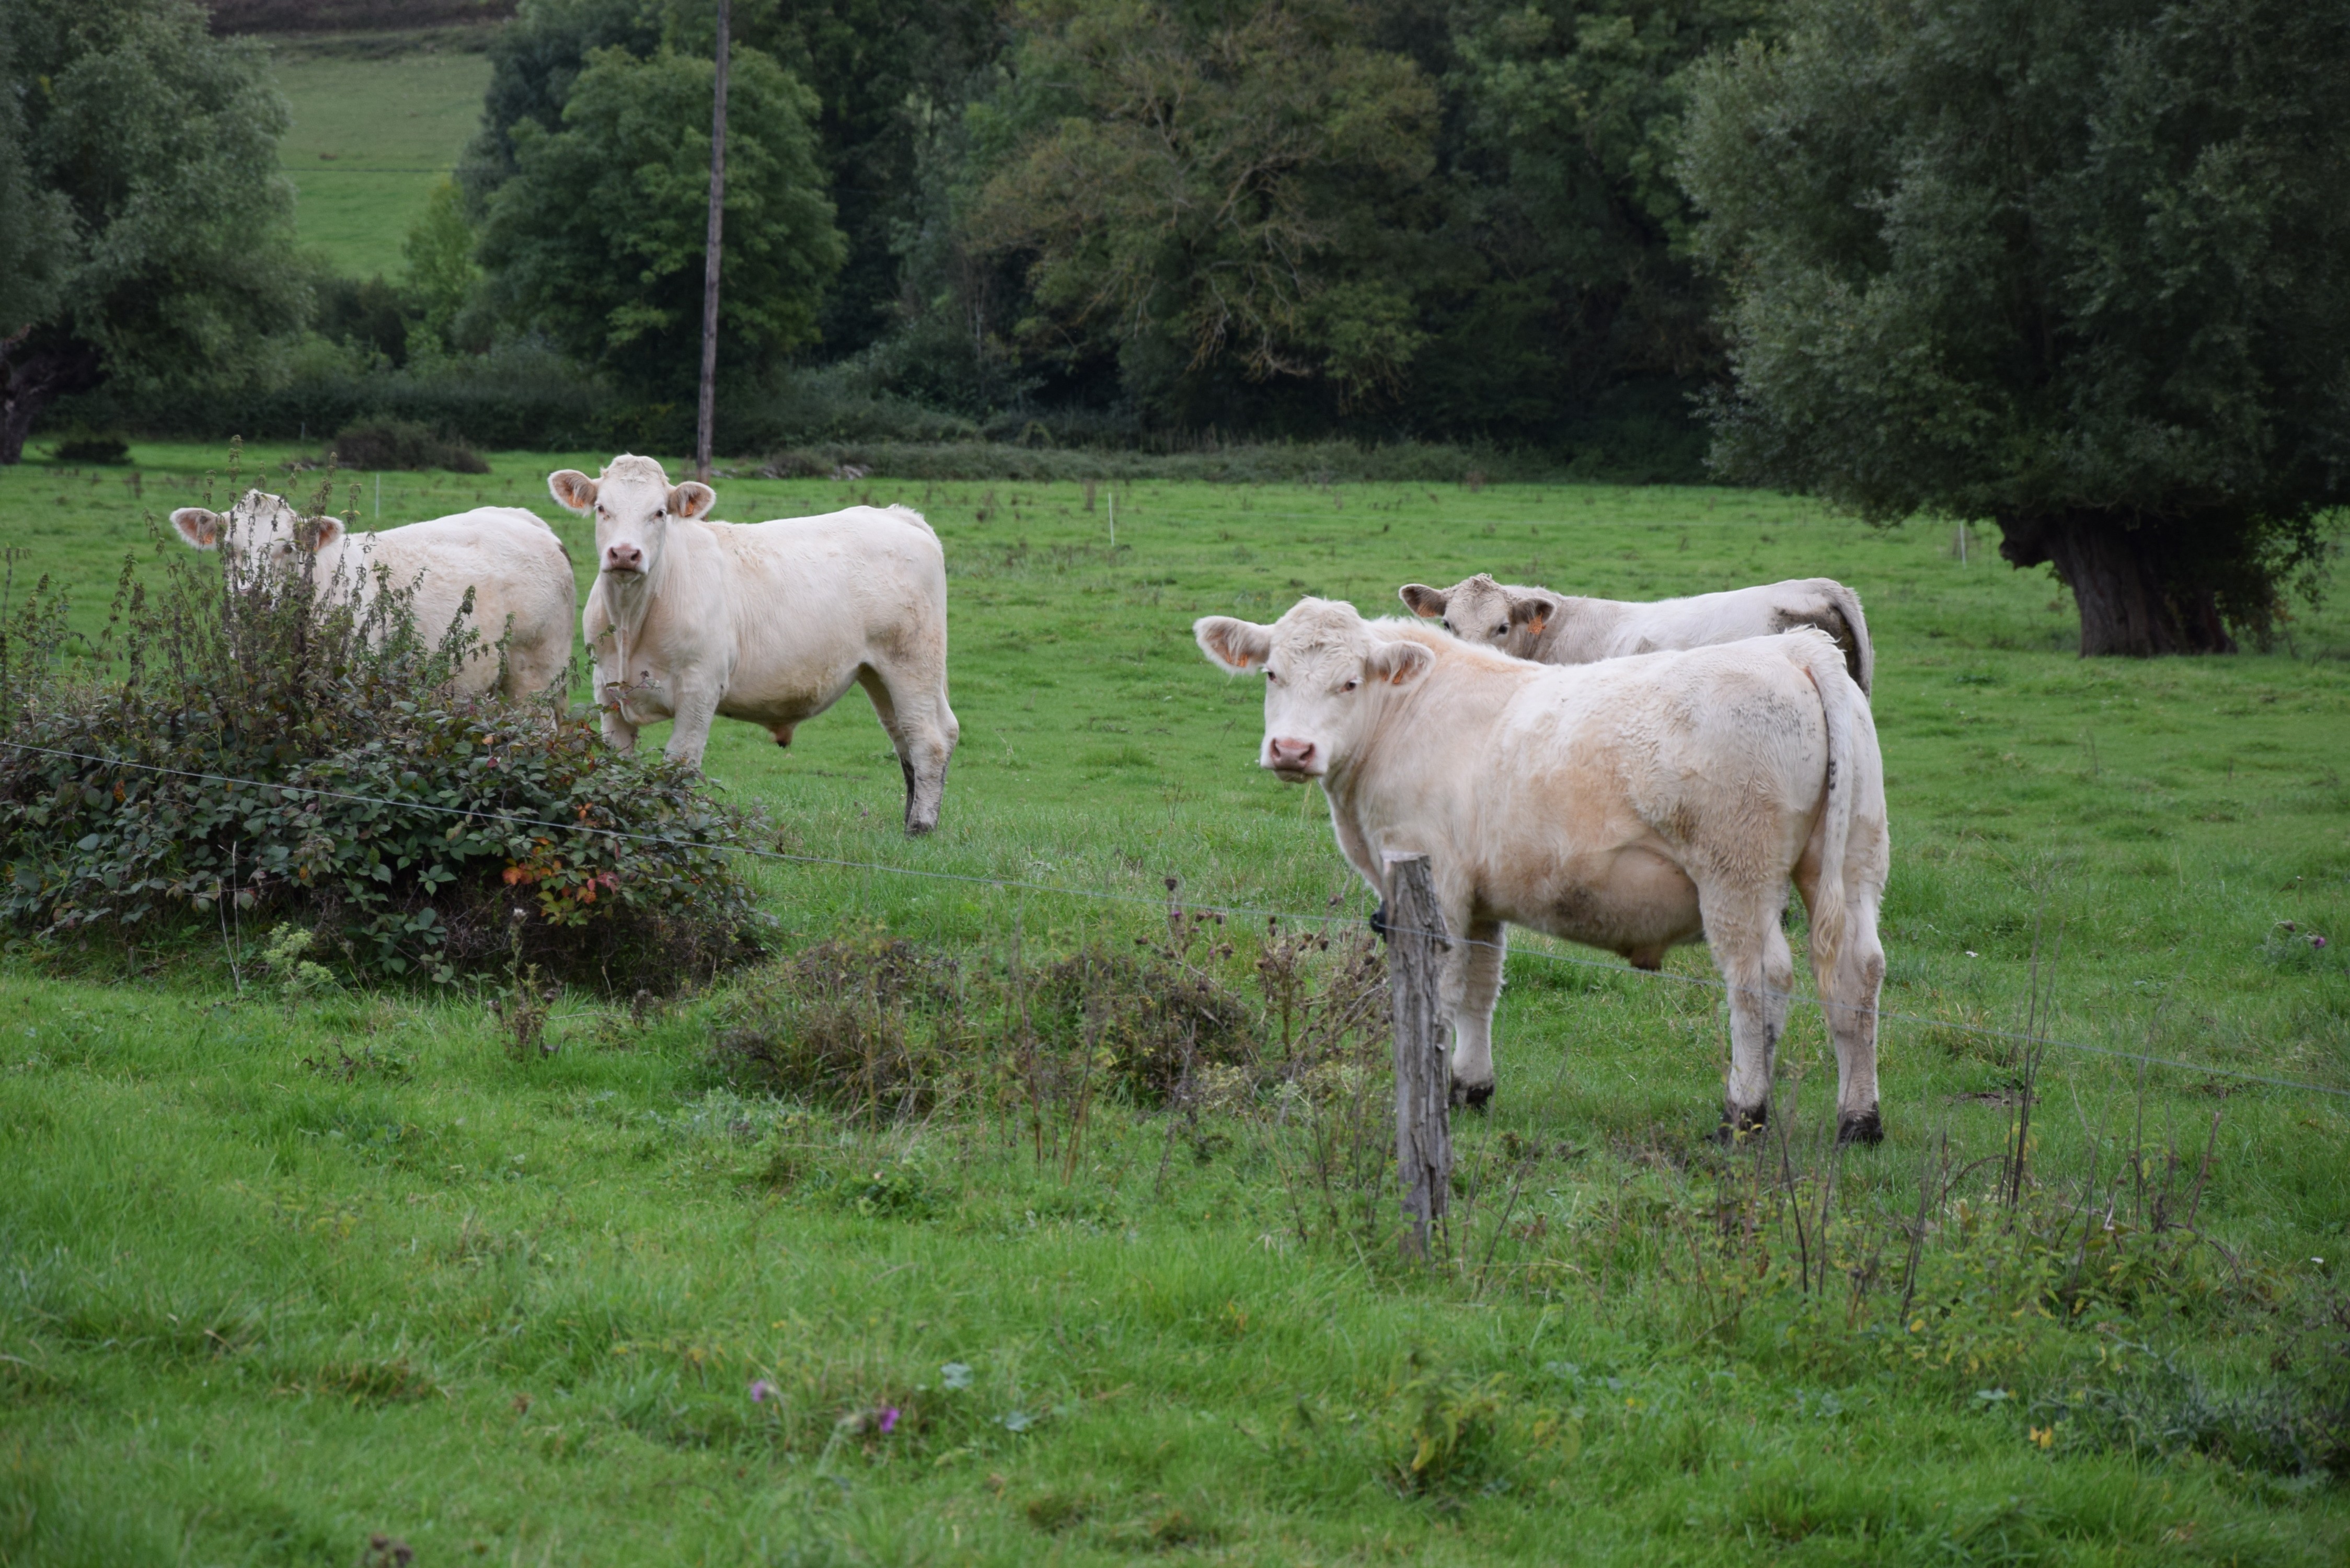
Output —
<point x="1561" y="629"/>
<point x="1634" y="805"/>
<point x="691" y="619"/>
<point x="509" y="559"/>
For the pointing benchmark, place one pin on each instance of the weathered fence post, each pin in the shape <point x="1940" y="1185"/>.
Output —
<point x="1416" y="942"/>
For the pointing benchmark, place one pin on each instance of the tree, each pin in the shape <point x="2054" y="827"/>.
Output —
<point x="138" y="173"/>
<point x="600" y="237"/>
<point x="1212" y="194"/>
<point x="2080" y="268"/>
<point x="1574" y="296"/>
<point x="883" y="70"/>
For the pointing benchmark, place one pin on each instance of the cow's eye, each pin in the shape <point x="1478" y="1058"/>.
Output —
<point x="1445" y="624"/>
<point x="1503" y="629"/>
<point x="1269" y="675"/>
<point x="1351" y="684"/>
<point x="659" y="512"/>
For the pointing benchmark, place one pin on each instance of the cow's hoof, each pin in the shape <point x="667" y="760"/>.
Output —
<point x="1740" y="1122"/>
<point x="918" y="829"/>
<point x="1473" y="1096"/>
<point x="1862" y="1126"/>
<point x="1379" y="921"/>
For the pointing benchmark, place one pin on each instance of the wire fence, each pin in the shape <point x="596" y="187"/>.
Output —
<point x="1095" y="895"/>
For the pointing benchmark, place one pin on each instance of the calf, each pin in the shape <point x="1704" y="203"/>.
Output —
<point x="1633" y="805"/>
<point x="1559" y="628"/>
<point x="771" y="622"/>
<point x="521" y="580"/>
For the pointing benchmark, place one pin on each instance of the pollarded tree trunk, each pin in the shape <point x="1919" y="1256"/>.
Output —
<point x="32" y="373"/>
<point x="2138" y="596"/>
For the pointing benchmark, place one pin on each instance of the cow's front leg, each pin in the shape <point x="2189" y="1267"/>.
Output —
<point x="1473" y="984"/>
<point x="694" y="709"/>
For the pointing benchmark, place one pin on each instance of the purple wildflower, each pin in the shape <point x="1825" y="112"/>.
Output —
<point x="889" y="1419"/>
<point x="2315" y="941"/>
<point x="762" y="1391"/>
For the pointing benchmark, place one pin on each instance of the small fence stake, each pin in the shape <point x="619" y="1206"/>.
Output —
<point x="1423" y="1076"/>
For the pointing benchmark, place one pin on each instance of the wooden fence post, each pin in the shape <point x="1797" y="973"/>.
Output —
<point x="1423" y="1076"/>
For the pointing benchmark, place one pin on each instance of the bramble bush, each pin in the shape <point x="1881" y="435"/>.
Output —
<point x="236" y="747"/>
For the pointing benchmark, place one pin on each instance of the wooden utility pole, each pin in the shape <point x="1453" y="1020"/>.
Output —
<point x="710" y="261"/>
<point x="1416" y="942"/>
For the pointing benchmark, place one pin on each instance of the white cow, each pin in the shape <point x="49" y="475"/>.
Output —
<point x="1633" y="805"/>
<point x="523" y="587"/>
<point x="771" y="622"/>
<point x="1560" y="628"/>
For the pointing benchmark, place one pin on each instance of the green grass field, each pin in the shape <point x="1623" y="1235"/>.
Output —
<point x="374" y="130"/>
<point x="277" y="1272"/>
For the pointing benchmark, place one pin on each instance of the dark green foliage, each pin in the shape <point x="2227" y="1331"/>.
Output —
<point x="147" y="190"/>
<point x="533" y="63"/>
<point x="370" y="317"/>
<point x="2081" y="269"/>
<point x="261" y="748"/>
<point x="1572" y="300"/>
<point x="96" y="448"/>
<point x="1219" y="199"/>
<point x="598" y="239"/>
<point x="403" y="443"/>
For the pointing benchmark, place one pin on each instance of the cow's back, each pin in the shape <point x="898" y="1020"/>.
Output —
<point x="1734" y="615"/>
<point x="514" y="563"/>
<point x="812" y="600"/>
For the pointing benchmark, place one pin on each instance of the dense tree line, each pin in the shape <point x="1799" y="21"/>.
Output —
<point x="2074" y="267"/>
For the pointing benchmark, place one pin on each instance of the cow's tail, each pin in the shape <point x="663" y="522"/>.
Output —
<point x="1842" y="706"/>
<point x="1863" y="668"/>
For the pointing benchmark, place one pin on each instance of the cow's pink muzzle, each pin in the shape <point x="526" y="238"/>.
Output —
<point x="1292" y="759"/>
<point x="624" y="558"/>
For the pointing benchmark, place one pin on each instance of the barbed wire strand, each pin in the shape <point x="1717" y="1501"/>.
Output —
<point x="1147" y="902"/>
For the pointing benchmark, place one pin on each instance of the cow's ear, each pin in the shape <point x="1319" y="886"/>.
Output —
<point x="692" y="499"/>
<point x="315" y="533"/>
<point x="200" y="527"/>
<point x="1422" y="600"/>
<point x="1235" y="646"/>
<point x="573" y="490"/>
<point x="1398" y="663"/>
<point x="1531" y="611"/>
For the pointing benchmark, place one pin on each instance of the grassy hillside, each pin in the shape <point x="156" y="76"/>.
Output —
<point x="278" y="1272"/>
<point x="378" y="120"/>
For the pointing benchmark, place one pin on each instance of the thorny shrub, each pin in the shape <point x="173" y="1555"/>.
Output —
<point x="248" y="742"/>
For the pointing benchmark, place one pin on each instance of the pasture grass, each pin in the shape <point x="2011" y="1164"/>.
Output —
<point x="281" y="1272"/>
<point x="373" y="131"/>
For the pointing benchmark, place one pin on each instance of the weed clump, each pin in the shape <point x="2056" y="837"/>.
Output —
<point x="866" y="1023"/>
<point x="253" y="743"/>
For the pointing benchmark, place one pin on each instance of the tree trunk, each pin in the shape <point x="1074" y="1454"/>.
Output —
<point x="706" y="410"/>
<point x="2136" y="596"/>
<point x="32" y="373"/>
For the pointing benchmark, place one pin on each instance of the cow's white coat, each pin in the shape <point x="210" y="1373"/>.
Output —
<point x="522" y="582"/>
<point x="1562" y="628"/>
<point x="771" y="622"/>
<point x="1634" y="805"/>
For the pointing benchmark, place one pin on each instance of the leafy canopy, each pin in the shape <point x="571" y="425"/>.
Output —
<point x="148" y="234"/>
<point x="599" y="239"/>
<point x="2064" y="265"/>
<point x="1211" y="187"/>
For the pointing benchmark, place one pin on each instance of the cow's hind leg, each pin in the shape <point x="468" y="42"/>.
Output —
<point x="1742" y="927"/>
<point x="1849" y="989"/>
<point x="1473" y="984"/>
<point x="924" y="731"/>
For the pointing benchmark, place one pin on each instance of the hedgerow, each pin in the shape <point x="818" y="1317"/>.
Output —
<point x="242" y="745"/>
